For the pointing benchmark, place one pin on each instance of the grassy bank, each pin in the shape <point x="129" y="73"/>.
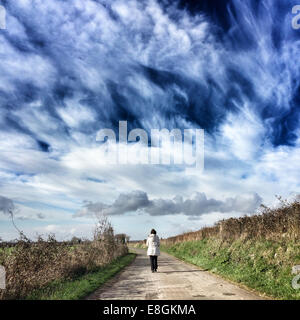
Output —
<point x="83" y="285"/>
<point x="263" y="265"/>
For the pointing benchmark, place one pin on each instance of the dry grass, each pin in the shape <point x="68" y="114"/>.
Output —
<point x="31" y="265"/>
<point x="270" y="224"/>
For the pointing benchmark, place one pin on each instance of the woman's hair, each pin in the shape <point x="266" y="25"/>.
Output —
<point x="153" y="231"/>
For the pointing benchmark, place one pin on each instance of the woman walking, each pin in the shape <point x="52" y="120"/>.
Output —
<point x="153" y="249"/>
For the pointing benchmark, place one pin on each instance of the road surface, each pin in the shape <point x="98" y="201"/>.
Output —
<point x="175" y="280"/>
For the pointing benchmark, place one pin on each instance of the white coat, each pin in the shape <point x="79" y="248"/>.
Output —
<point x="153" y="245"/>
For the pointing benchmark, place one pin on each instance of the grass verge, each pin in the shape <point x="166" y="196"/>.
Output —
<point x="262" y="265"/>
<point x="82" y="286"/>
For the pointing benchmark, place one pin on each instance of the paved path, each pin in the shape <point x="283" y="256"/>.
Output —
<point x="175" y="280"/>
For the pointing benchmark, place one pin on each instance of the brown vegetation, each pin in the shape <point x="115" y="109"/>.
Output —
<point x="272" y="224"/>
<point x="31" y="265"/>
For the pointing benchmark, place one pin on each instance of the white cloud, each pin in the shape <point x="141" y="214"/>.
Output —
<point x="243" y="134"/>
<point x="75" y="61"/>
<point x="74" y="113"/>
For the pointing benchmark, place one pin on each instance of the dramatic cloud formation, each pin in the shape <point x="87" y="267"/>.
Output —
<point x="197" y="205"/>
<point x="70" y="68"/>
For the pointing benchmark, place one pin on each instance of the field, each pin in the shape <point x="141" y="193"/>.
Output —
<point x="47" y="267"/>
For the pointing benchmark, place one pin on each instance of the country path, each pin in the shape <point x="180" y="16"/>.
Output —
<point x="175" y="280"/>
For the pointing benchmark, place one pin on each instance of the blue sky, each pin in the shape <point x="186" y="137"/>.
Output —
<point x="71" y="68"/>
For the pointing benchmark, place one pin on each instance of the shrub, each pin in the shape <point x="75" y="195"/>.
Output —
<point x="270" y="224"/>
<point x="33" y="264"/>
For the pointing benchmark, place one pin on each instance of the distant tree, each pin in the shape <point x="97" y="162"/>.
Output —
<point x="75" y="240"/>
<point x="122" y="238"/>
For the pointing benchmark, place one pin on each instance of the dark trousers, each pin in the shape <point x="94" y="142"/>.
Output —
<point x="153" y="261"/>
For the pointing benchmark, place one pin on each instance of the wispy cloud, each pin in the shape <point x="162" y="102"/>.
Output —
<point x="70" y="68"/>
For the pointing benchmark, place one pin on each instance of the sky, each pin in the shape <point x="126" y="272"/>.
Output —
<point x="71" y="68"/>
